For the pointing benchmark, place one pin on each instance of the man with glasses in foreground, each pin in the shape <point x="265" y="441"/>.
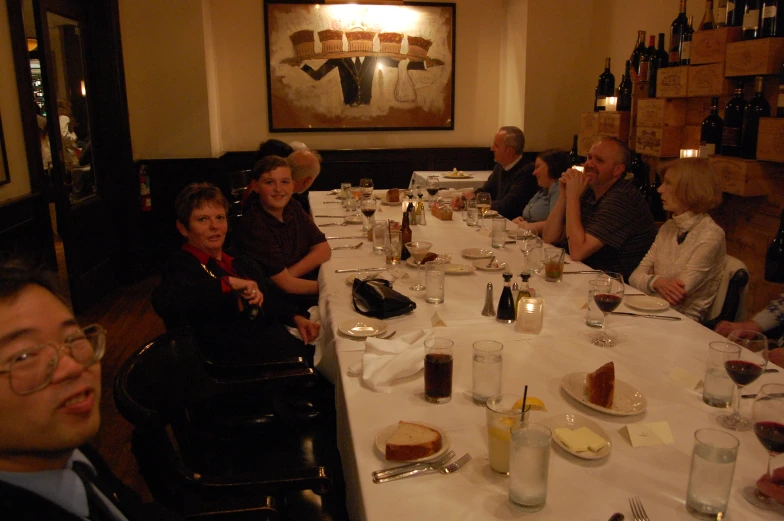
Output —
<point x="50" y="393"/>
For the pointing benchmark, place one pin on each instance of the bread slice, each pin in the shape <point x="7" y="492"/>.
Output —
<point x="393" y="195"/>
<point x="601" y="386"/>
<point x="412" y="441"/>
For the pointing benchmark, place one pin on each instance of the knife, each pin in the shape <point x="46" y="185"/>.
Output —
<point x="350" y="237"/>
<point x="584" y="272"/>
<point x="355" y="270"/>
<point x="659" y="317"/>
<point x="332" y="216"/>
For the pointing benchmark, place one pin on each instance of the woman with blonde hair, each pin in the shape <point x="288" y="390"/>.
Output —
<point x="686" y="261"/>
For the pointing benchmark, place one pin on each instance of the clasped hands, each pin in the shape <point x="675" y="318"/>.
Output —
<point x="573" y="183"/>
<point x="671" y="290"/>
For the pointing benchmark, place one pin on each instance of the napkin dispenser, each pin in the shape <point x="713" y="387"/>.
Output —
<point x="530" y="315"/>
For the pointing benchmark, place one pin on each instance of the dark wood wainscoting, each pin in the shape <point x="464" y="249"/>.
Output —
<point x="25" y="230"/>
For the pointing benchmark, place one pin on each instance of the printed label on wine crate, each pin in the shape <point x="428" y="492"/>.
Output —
<point x="661" y="113"/>
<point x="589" y="123"/>
<point x="690" y="138"/>
<point x="754" y="57"/>
<point x="615" y="124"/>
<point x="672" y="82"/>
<point x="740" y="176"/>
<point x="770" y="140"/>
<point x="708" y="80"/>
<point x="658" y="141"/>
<point x="711" y="46"/>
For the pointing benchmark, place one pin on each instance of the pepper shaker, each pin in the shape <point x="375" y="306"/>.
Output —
<point x="489" y="309"/>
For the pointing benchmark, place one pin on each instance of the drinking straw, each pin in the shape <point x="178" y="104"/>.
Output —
<point x="525" y="396"/>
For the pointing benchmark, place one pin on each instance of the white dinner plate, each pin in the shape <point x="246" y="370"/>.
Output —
<point x="383" y="435"/>
<point x="477" y="253"/>
<point x="362" y="328"/>
<point x="443" y="257"/>
<point x="627" y="400"/>
<point x="459" y="269"/>
<point x="353" y="219"/>
<point x="646" y="303"/>
<point x="457" y="176"/>
<point x="575" y="421"/>
<point x="481" y="264"/>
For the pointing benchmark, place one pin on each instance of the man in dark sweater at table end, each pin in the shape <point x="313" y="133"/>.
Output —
<point x="512" y="183"/>
<point x="602" y="218"/>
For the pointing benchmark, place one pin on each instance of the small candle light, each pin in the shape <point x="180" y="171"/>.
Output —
<point x="690" y="152"/>
<point x="530" y="315"/>
<point x="611" y="104"/>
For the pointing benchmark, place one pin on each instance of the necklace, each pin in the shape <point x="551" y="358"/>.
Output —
<point x="682" y="236"/>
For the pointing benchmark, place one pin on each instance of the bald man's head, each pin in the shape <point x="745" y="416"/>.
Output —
<point x="305" y="167"/>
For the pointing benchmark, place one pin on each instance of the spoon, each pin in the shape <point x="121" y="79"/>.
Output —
<point x="490" y="264"/>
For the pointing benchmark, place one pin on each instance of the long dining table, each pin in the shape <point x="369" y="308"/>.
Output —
<point x="648" y="355"/>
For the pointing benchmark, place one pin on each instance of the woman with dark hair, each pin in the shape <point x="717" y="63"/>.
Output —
<point x="223" y="302"/>
<point x="548" y="168"/>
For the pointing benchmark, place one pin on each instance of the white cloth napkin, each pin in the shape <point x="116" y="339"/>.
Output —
<point x="385" y="361"/>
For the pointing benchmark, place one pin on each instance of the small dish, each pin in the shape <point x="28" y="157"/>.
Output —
<point x="362" y="328"/>
<point x="574" y="421"/>
<point x="459" y="269"/>
<point x="459" y="175"/>
<point x="481" y="264"/>
<point x="646" y="303"/>
<point x="383" y="435"/>
<point x="353" y="219"/>
<point x="627" y="401"/>
<point x="477" y="253"/>
<point x="442" y="257"/>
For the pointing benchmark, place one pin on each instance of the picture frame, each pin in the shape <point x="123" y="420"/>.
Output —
<point x="349" y="67"/>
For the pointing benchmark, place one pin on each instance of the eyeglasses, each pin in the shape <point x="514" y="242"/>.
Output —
<point x="31" y="369"/>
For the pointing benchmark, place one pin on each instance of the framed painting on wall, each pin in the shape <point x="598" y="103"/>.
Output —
<point x="360" y="67"/>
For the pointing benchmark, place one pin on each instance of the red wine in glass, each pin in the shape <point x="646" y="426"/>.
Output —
<point x="368" y="212"/>
<point x="607" y="302"/>
<point x="771" y="435"/>
<point x="432" y="191"/>
<point x="742" y="372"/>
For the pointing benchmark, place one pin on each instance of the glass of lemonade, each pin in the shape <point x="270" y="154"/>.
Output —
<point x="502" y="411"/>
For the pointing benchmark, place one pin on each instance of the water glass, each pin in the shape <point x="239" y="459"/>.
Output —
<point x="434" y="282"/>
<point x="535" y="258"/>
<point x="393" y="246"/>
<point x="502" y="411"/>
<point x="438" y="370"/>
<point x="553" y="264"/>
<point x="719" y="389"/>
<point x="498" y="231"/>
<point x="529" y="463"/>
<point x="593" y="316"/>
<point x="471" y="214"/>
<point x="710" y="478"/>
<point x="344" y="192"/>
<point x="488" y="362"/>
<point x="379" y="236"/>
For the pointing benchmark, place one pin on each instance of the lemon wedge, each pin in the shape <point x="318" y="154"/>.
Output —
<point x="535" y="403"/>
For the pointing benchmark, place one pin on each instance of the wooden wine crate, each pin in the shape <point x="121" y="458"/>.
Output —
<point x="770" y="140"/>
<point x="584" y="143"/>
<point x="743" y="177"/>
<point x="709" y="80"/>
<point x="690" y="138"/>
<point x="711" y="46"/>
<point x="697" y="109"/>
<point x="640" y="90"/>
<point x="615" y="124"/>
<point x="754" y="57"/>
<point x="658" y="141"/>
<point x="672" y="82"/>
<point x="661" y="112"/>
<point x="589" y="123"/>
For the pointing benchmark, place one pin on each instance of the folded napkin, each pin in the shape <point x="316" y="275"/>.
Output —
<point x="385" y="361"/>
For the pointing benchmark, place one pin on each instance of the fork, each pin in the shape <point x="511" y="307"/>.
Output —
<point x="448" y="455"/>
<point x="349" y="246"/>
<point x="448" y="469"/>
<point x="638" y="511"/>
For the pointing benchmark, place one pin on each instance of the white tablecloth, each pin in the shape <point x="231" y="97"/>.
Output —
<point x="477" y="179"/>
<point x="648" y="352"/>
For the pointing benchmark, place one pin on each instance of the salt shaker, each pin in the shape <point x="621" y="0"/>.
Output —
<point x="489" y="309"/>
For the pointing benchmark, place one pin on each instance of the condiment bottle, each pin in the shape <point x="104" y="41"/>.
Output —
<point x="506" y="304"/>
<point x="405" y="232"/>
<point x="525" y="291"/>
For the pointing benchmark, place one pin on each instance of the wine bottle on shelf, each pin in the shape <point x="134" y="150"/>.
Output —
<point x="780" y="103"/>
<point x="405" y="232"/>
<point x="637" y="169"/>
<point x="735" y="13"/>
<point x="733" y="123"/>
<point x="639" y="49"/>
<point x="645" y="59"/>
<point x="711" y="131"/>
<point x="751" y="19"/>
<point x="606" y="86"/>
<point x="770" y="19"/>
<point x="721" y="14"/>
<point x="707" y="23"/>
<point x="686" y="45"/>
<point x="574" y="157"/>
<point x="758" y="108"/>
<point x="654" y="201"/>
<point x="659" y="61"/>
<point x="625" y="90"/>
<point x="677" y="30"/>
<point x="774" y="260"/>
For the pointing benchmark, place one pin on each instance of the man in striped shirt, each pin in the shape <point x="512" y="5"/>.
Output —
<point x="603" y="219"/>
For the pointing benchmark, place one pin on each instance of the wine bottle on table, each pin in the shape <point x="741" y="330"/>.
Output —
<point x="721" y="14"/>
<point x="405" y="232"/>
<point x="643" y="70"/>
<point x="774" y="260"/>
<point x="735" y="13"/>
<point x="770" y="19"/>
<point x="574" y="157"/>
<point x="707" y="23"/>
<point x="659" y="61"/>
<point x="758" y="108"/>
<point x="686" y="45"/>
<point x="751" y="19"/>
<point x="606" y="86"/>
<point x="625" y="90"/>
<point x="677" y="30"/>
<point x="711" y="131"/>
<point x="733" y="123"/>
<point x="639" y="50"/>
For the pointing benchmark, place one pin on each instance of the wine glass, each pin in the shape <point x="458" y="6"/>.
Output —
<point x="432" y="185"/>
<point x="767" y="413"/>
<point x="608" y="296"/>
<point x="366" y="184"/>
<point x="743" y="369"/>
<point x="526" y="243"/>
<point x="368" y="207"/>
<point x="483" y="202"/>
<point x="418" y="250"/>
